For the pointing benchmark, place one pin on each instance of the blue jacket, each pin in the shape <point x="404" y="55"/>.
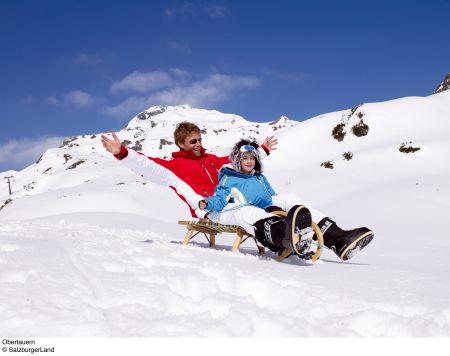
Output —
<point x="236" y="187"/>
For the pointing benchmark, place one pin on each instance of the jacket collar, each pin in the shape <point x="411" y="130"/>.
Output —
<point x="229" y="170"/>
<point x="188" y="155"/>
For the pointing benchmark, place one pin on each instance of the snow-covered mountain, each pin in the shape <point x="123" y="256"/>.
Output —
<point x="103" y="245"/>
<point x="444" y="85"/>
<point x="81" y="161"/>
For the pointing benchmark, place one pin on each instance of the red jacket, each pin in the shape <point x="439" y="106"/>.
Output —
<point x="192" y="177"/>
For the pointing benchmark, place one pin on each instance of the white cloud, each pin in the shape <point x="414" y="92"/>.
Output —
<point x="210" y="90"/>
<point x="53" y="100"/>
<point x="184" y="11"/>
<point x="76" y="98"/>
<point x="179" y="74"/>
<point x="190" y="10"/>
<point x="128" y="108"/>
<point x="87" y="59"/>
<point x="17" y="154"/>
<point x="142" y="82"/>
<point x="79" y="99"/>
<point x="28" y="100"/>
<point x="215" y="11"/>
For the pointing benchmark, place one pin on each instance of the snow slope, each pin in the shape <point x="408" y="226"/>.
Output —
<point x="95" y="251"/>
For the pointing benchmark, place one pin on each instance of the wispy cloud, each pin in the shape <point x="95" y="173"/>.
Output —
<point x="190" y="10"/>
<point x="53" y="100"/>
<point x="215" y="11"/>
<point x="204" y="92"/>
<point x="19" y="153"/>
<point x="180" y="74"/>
<point x="184" y="11"/>
<point x="175" y="86"/>
<point x="143" y="82"/>
<point x="86" y="59"/>
<point x="127" y="108"/>
<point x="179" y="47"/>
<point x="213" y="89"/>
<point x="28" y="100"/>
<point x="77" y="98"/>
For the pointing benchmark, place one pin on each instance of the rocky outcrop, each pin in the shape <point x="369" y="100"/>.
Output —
<point x="445" y="85"/>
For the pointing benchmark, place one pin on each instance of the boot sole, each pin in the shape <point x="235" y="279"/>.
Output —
<point x="356" y="246"/>
<point x="298" y="217"/>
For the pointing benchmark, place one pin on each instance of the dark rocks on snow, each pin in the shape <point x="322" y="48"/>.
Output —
<point x="220" y="130"/>
<point x="360" y="129"/>
<point x="145" y="115"/>
<point x="327" y="164"/>
<point x="338" y="132"/>
<point x="69" y="142"/>
<point x="137" y="145"/>
<point x="29" y="186"/>
<point x="408" y="149"/>
<point x="7" y="201"/>
<point x="163" y="142"/>
<point x="73" y="166"/>
<point x="347" y="155"/>
<point x="445" y="85"/>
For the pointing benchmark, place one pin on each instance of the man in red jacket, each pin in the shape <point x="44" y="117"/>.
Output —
<point x="191" y="172"/>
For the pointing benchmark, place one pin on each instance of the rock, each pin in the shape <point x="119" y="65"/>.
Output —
<point x="445" y="85"/>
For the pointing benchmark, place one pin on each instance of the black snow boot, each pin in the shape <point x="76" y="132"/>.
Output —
<point x="298" y="226"/>
<point x="344" y="243"/>
<point x="270" y="232"/>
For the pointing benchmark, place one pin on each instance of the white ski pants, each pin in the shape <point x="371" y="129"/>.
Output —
<point x="246" y="215"/>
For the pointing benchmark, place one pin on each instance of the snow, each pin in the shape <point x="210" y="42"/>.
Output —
<point x="96" y="251"/>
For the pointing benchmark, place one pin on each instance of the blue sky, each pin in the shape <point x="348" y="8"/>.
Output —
<point x="78" y="67"/>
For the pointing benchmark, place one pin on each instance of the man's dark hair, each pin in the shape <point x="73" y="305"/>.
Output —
<point x="183" y="130"/>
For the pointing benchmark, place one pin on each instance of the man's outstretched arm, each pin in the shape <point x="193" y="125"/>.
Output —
<point x="148" y="168"/>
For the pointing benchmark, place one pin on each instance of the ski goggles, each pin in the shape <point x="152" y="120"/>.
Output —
<point x="247" y="148"/>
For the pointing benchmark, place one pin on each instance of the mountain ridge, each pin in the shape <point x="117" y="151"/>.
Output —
<point x="335" y="142"/>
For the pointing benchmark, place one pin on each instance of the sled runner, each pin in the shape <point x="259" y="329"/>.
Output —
<point x="312" y="255"/>
<point x="212" y="229"/>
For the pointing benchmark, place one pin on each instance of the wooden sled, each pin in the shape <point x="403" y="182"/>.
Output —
<point x="213" y="229"/>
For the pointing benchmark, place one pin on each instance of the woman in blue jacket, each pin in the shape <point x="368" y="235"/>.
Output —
<point x="243" y="195"/>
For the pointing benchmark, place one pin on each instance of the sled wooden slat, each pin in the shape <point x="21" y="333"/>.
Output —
<point x="211" y="229"/>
